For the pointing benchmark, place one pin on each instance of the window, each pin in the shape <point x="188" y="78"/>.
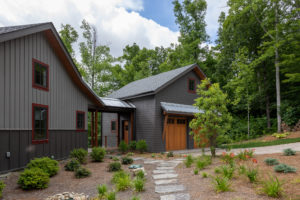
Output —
<point x="180" y="121"/>
<point x="39" y="123"/>
<point x="40" y="75"/>
<point x="170" y="121"/>
<point x="191" y="85"/>
<point x="113" y="126"/>
<point x="80" y="120"/>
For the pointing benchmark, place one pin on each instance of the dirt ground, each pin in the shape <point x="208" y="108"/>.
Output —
<point x="242" y="189"/>
<point x="66" y="182"/>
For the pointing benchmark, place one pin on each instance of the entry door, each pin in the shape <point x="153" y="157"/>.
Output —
<point x="176" y="134"/>
<point x="125" y="131"/>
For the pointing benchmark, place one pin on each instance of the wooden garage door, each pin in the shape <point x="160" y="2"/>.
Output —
<point x="176" y="134"/>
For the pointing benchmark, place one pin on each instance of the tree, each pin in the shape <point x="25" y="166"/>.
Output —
<point x="213" y="120"/>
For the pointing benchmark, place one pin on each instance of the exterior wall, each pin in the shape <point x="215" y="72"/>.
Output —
<point x="123" y="117"/>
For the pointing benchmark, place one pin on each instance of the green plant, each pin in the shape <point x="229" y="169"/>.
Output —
<point x="141" y="146"/>
<point x="82" y="172"/>
<point x="140" y="174"/>
<point x="33" y="178"/>
<point x="170" y="154"/>
<point x="132" y="145"/>
<point x="123" y="147"/>
<point x="80" y="155"/>
<point x="153" y="155"/>
<point x="242" y="169"/>
<point x="284" y="168"/>
<point x="102" y="191"/>
<point x="204" y="175"/>
<point x="98" y="154"/>
<point x="251" y="173"/>
<point x="115" y="158"/>
<point x="114" y="166"/>
<point x="130" y="154"/>
<point x="2" y="186"/>
<point x="289" y="152"/>
<point x="189" y="161"/>
<point x="127" y="160"/>
<point x="221" y="184"/>
<point x="196" y="171"/>
<point x="280" y="135"/>
<point x="272" y="187"/>
<point x="271" y="161"/>
<point x="135" y="198"/>
<point x="123" y="183"/>
<point x="139" y="184"/>
<point x="118" y="175"/>
<point x="46" y="164"/>
<point x="111" y="195"/>
<point x="227" y="171"/>
<point x="217" y="170"/>
<point x="228" y="158"/>
<point x="246" y="154"/>
<point x="72" y="165"/>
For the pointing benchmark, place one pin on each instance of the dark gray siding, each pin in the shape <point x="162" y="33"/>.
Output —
<point x="112" y="140"/>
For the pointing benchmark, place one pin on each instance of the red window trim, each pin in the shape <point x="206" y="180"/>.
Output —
<point x="82" y="112"/>
<point x="188" y="85"/>
<point x="113" y="131"/>
<point x="32" y="139"/>
<point x="33" y="75"/>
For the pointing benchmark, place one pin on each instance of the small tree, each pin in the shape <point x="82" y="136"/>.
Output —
<point x="213" y="119"/>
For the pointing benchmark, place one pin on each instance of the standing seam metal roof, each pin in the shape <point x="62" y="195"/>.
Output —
<point x="174" y="108"/>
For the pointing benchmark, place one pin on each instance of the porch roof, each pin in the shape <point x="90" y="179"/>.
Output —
<point x="174" y="108"/>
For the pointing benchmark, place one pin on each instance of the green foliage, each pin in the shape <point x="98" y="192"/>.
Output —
<point x="33" y="178"/>
<point x="72" y="165"/>
<point x="98" y="154"/>
<point x="2" y="186"/>
<point x="227" y="171"/>
<point x="217" y="170"/>
<point x="132" y="145"/>
<point x="280" y="135"/>
<point x="139" y="184"/>
<point x="251" y="173"/>
<point x="123" y="183"/>
<point x="130" y="154"/>
<point x="289" y="152"/>
<point x="242" y="169"/>
<point x="69" y="36"/>
<point x="271" y="161"/>
<point x="127" y="160"/>
<point x="246" y="154"/>
<point x="284" y="168"/>
<point x="114" y="166"/>
<point x="118" y="175"/>
<point x="204" y="175"/>
<point x="135" y="198"/>
<point x="82" y="172"/>
<point x="102" y="191"/>
<point x="80" y="155"/>
<point x="141" y="146"/>
<point x="272" y="187"/>
<point x="170" y="154"/>
<point x="196" y="171"/>
<point x="153" y="155"/>
<point x="46" y="164"/>
<point x="140" y="174"/>
<point x="201" y="163"/>
<point x="228" y="158"/>
<point x="111" y="195"/>
<point x="189" y="161"/>
<point x="123" y="147"/>
<point x="215" y="118"/>
<point x="115" y="158"/>
<point x="221" y="184"/>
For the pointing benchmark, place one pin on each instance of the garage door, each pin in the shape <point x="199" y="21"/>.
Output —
<point x="176" y="134"/>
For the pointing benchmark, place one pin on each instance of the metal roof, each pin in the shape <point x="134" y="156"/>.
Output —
<point x="9" y="29"/>
<point x="150" y="85"/>
<point x="110" y="102"/>
<point x="174" y="108"/>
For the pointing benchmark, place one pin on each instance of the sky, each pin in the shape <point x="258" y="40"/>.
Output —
<point x="149" y="23"/>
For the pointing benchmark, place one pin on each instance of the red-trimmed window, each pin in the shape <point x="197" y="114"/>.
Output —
<point x="80" y="120"/>
<point x="40" y="75"/>
<point x="40" y="121"/>
<point x="191" y="85"/>
<point x="113" y="126"/>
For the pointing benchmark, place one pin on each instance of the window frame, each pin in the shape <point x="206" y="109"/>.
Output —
<point x="34" y="85"/>
<point x="188" y="85"/>
<point x="80" y="129"/>
<point x="33" y="141"/>
<point x="111" y="122"/>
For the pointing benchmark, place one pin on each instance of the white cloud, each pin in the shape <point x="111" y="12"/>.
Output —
<point x="117" y="21"/>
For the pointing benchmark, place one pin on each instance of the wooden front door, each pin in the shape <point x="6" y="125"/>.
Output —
<point x="125" y="131"/>
<point x="176" y="134"/>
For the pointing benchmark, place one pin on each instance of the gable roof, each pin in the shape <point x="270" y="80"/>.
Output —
<point x="13" y="32"/>
<point x="153" y="84"/>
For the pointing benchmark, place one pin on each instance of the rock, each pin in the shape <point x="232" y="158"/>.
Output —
<point x="165" y="181"/>
<point x="180" y="196"/>
<point x="165" y="171"/>
<point x="135" y="171"/>
<point x="68" y="196"/>
<point x="169" y="188"/>
<point x="164" y="176"/>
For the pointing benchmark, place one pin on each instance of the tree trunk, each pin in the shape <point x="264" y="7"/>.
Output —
<point x="267" y="99"/>
<point x="213" y="144"/>
<point x="248" y="120"/>
<point x="277" y="72"/>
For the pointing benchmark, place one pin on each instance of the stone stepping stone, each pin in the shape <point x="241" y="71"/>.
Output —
<point x="164" y="168"/>
<point x="169" y="188"/>
<point x="138" y="158"/>
<point x="165" y="181"/>
<point x="164" y="176"/>
<point x="181" y="196"/>
<point x="163" y="171"/>
<point x="179" y="159"/>
<point x="167" y="165"/>
<point x="150" y="161"/>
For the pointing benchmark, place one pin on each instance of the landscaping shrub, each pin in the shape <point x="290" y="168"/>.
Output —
<point x="221" y="184"/>
<point x="227" y="171"/>
<point x="115" y="158"/>
<point x="272" y="187"/>
<point x="135" y="198"/>
<point x="203" y="161"/>
<point x="114" y="166"/>
<point x="118" y="175"/>
<point x="46" y="164"/>
<point x="111" y="195"/>
<point x="196" y="171"/>
<point x="130" y="154"/>
<point x="189" y="161"/>
<point x="123" y="183"/>
<point x="2" y="186"/>
<point x="204" y="175"/>
<point x="82" y="172"/>
<point x="139" y="184"/>
<point x="228" y="158"/>
<point x="98" y="154"/>
<point x="217" y="170"/>
<point x="170" y="154"/>
<point x="289" y="152"/>
<point x="127" y="160"/>
<point x="280" y="135"/>
<point x="284" y="168"/>
<point x="271" y="161"/>
<point x="251" y="173"/>
<point x="80" y="155"/>
<point x="246" y="154"/>
<point x="33" y="178"/>
<point x="123" y="147"/>
<point x="132" y="145"/>
<point x="242" y="169"/>
<point x="141" y="146"/>
<point x="153" y="155"/>
<point x="72" y="165"/>
<point x="140" y="174"/>
<point x="102" y="191"/>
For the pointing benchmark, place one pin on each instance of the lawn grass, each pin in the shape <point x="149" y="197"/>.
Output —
<point x="261" y="144"/>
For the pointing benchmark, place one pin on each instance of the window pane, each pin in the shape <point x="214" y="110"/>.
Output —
<point x="40" y="123"/>
<point x="40" y="75"/>
<point x="80" y="121"/>
<point x="44" y="77"/>
<point x="113" y="125"/>
<point x="170" y="121"/>
<point x="192" y="85"/>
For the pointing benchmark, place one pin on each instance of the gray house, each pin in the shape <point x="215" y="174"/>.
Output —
<point x="163" y="108"/>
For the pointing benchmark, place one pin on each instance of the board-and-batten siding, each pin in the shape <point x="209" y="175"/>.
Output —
<point x="17" y="93"/>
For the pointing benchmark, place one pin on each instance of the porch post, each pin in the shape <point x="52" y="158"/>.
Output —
<point x="131" y="126"/>
<point x="92" y="129"/>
